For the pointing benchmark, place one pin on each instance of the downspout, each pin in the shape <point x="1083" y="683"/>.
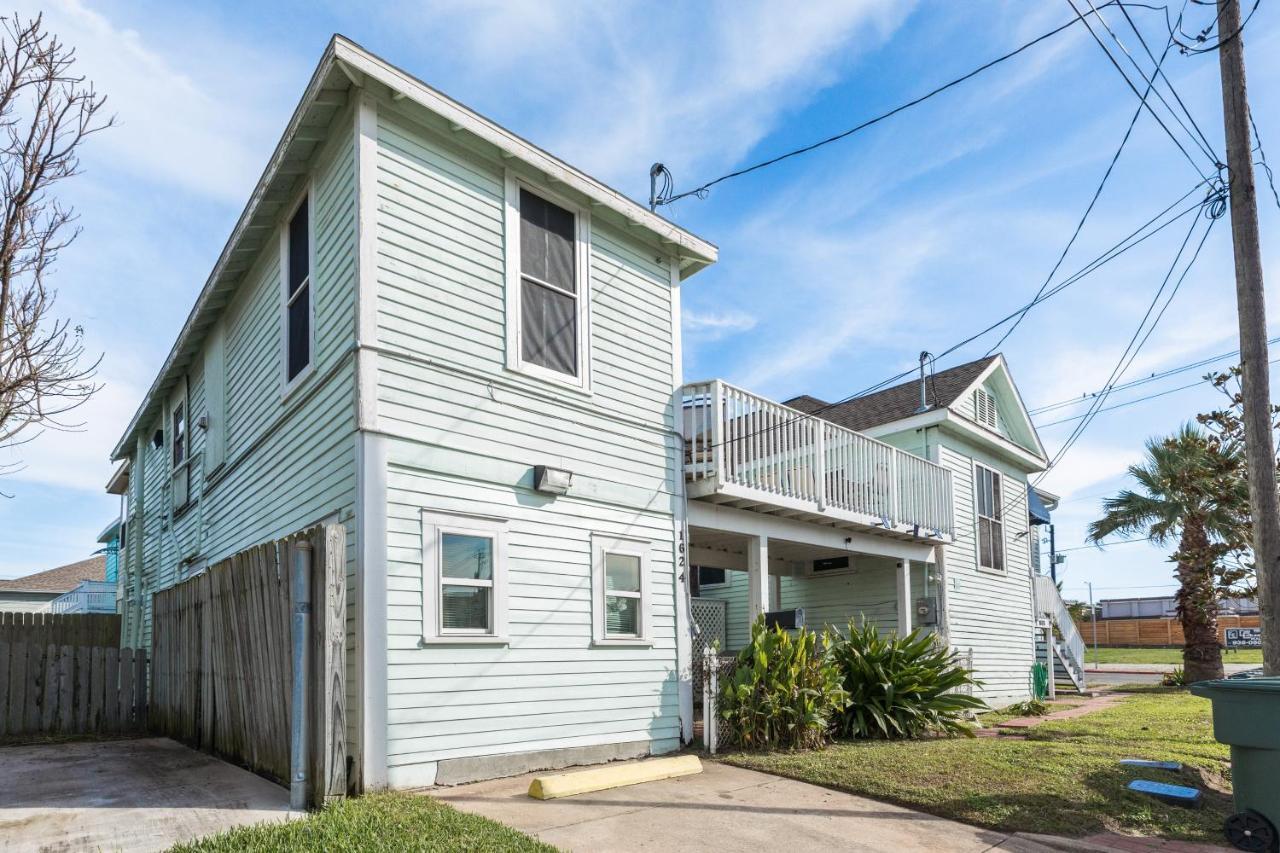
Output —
<point x="298" y="759"/>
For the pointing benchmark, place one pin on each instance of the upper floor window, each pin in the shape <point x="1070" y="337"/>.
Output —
<point x="297" y="292"/>
<point x="179" y="449"/>
<point x="988" y="499"/>
<point x="548" y="260"/>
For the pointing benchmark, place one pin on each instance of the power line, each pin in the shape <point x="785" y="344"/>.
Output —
<point x="1201" y="142"/>
<point x="1130" y="241"/>
<point x="1172" y="371"/>
<point x="1262" y="155"/>
<point x="1134" y="88"/>
<point x="1139" y="339"/>
<point x="1124" y="140"/>
<point x="1146" y="539"/>
<point x="1202" y="37"/>
<point x="1208" y="146"/>
<point x="666" y="198"/>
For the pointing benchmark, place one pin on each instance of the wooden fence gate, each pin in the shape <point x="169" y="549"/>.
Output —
<point x="63" y="674"/>
<point x="222" y="660"/>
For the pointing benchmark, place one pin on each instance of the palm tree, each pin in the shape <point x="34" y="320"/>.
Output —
<point x="1190" y="491"/>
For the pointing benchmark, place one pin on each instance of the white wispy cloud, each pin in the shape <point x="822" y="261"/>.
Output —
<point x="716" y="324"/>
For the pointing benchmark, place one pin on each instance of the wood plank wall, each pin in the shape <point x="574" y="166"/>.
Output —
<point x="222" y="660"/>
<point x="61" y="629"/>
<point x="51" y="689"/>
<point x="1156" y="631"/>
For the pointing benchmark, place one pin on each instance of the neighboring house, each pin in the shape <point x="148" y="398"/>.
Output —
<point x="37" y="593"/>
<point x="939" y="505"/>
<point x="467" y="352"/>
<point x="1162" y="606"/>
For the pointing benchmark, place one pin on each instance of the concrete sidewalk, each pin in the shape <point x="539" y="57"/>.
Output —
<point x="136" y="795"/>
<point x="729" y="809"/>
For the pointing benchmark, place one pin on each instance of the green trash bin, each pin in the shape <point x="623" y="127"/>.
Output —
<point x="1246" y="717"/>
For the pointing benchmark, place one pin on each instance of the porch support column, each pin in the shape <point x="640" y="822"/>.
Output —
<point x="757" y="576"/>
<point x="904" y="598"/>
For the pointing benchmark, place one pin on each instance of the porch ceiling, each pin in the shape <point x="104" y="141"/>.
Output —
<point x="723" y="550"/>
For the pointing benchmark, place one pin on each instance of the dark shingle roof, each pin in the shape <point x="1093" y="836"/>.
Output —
<point x="62" y="579"/>
<point x="897" y="402"/>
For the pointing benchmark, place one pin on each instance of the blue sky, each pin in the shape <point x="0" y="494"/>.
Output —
<point x="836" y="269"/>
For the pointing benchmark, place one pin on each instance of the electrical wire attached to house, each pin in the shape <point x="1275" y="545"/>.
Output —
<point x="658" y="199"/>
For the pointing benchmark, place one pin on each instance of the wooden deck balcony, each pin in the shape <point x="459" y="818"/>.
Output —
<point x="753" y="453"/>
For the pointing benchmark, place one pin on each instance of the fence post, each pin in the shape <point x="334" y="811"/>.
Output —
<point x="300" y="551"/>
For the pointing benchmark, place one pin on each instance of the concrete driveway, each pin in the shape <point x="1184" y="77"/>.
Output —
<point x="723" y="809"/>
<point x="135" y="795"/>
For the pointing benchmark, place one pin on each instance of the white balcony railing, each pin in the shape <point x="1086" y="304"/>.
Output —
<point x="734" y="438"/>
<point x="88" y="597"/>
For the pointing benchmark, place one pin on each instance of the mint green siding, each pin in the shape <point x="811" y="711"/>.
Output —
<point x="463" y="433"/>
<point x="289" y="460"/>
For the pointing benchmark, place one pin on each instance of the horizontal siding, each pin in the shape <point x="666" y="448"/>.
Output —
<point x="990" y="613"/>
<point x="290" y="461"/>
<point x="868" y="592"/>
<point x="550" y="688"/>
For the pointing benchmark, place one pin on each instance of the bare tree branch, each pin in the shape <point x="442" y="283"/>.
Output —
<point x="46" y="111"/>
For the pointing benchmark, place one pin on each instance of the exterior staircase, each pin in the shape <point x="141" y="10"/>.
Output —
<point x="1055" y="627"/>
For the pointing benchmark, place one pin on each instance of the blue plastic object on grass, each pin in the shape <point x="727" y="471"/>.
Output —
<point x="1151" y="765"/>
<point x="1176" y="794"/>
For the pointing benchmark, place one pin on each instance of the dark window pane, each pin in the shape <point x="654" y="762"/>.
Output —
<point x="710" y="576"/>
<point x="464" y="608"/>
<point x="300" y="332"/>
<point x="179" y="434"/>
<point x="299" y="256"/>
<point x="466" y="557"/>
<point x="546" y="241"/>
<point x="549" y="328"/>
<point x="984" y="542"/>
<point x="997" y="545"/>
<point x="997" y="511"/>
<point x="622" y="616"/>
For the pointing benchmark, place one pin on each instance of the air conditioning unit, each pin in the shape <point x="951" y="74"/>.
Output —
<point x="927" y="610"/>
<point x="785" y="619"/>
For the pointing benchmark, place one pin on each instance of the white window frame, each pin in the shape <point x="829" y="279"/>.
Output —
<point x="1001" y="520"/>
<point x="582" y="285"/>
<point x="181" y="397"/>
<point x="600" y="546"/>
<point x="434" y="525"/>
<point x="287" y="385"/>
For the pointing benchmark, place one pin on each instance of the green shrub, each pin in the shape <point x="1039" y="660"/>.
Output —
<point x="784" y="692"/>
<point x="902" y="687"/>
<point x="1177" y="678"/>
<point x="1029" y="708"/>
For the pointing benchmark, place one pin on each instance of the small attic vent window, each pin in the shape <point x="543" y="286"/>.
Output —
<point x="984" y="408"/>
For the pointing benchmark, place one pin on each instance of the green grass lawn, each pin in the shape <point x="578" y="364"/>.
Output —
<point x="1064" y="779"/>
<point x="1174" y="656"/>
<point x="391" y="821"/>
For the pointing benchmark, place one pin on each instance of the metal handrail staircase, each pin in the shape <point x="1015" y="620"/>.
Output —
<point x="1055" y="626"/>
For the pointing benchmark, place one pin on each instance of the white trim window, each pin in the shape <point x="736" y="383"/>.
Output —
<point x="297" y="303"/>
<point x="548" y="258"/>
<point x="988" y="488"/>
<point x="179" y="448"/>
<point x="464" y="578"/>
<point x="620" y="610"/>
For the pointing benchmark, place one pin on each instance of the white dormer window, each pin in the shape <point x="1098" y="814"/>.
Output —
<point x="984" y="408"/>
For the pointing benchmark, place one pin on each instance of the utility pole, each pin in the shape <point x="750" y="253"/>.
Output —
<point x="1093" y="617"/>
<point x="1251" y="307"/>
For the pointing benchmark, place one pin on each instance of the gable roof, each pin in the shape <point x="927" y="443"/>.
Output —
<point x="898" y="402"/>
<point x="346" y="68"/>
<point x="62" y="579"/>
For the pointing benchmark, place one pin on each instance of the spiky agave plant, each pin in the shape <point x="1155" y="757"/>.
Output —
<point x="902" y="687"/>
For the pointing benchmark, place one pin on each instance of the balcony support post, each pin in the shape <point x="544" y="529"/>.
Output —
<point x="819" y="463"/>
<point x="757" y="576"/>
<point x="904" y="598"/>
<point x="717" y="432"/>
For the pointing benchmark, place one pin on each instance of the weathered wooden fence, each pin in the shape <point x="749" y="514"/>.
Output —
<point x="48" y="689"/>
<point x="61" y="629"/>
<point x="1154" y="631"/>
<point x="222" y="660"/>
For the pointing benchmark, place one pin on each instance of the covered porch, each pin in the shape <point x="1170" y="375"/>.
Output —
<point x="750" y="563"/>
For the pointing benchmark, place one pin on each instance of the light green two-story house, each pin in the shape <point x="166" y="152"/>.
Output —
<point x="468" y="353"/>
